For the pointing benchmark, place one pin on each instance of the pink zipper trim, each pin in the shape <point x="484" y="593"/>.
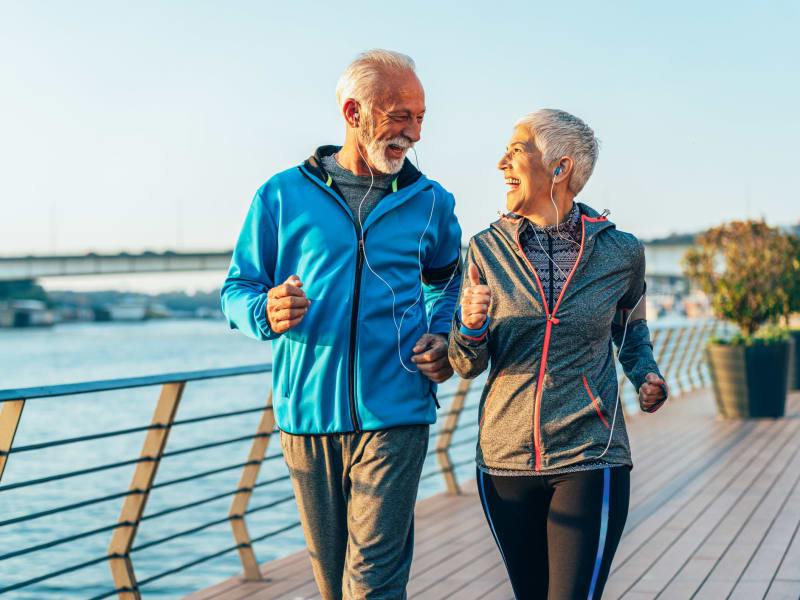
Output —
<point x="551" y="319"/>
<point x="594" y="402"/>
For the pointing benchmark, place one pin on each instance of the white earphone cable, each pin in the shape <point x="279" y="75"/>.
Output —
<point x="398" y="327"/>
<point x="619" y="389"/>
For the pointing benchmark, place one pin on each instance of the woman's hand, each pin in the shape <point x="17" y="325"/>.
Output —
<point x="651" y="393"/>
<point x="475" y="301"/>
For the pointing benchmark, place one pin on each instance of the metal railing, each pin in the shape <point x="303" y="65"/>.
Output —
<point x="677" y="349"/>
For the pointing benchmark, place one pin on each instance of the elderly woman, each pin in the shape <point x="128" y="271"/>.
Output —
<point x="550" y="285"/>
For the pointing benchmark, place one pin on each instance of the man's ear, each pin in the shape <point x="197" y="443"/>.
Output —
<point x="350" y="111"/>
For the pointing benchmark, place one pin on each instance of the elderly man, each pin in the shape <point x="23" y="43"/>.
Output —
<point x="350" y="264"/>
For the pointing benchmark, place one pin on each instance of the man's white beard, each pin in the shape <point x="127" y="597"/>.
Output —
<point x="376" y="151"/>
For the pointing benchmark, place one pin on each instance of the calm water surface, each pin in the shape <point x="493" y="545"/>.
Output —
<point x="83" y="352"/>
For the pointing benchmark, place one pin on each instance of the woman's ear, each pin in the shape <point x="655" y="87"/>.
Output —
<point x="563" y="169"/>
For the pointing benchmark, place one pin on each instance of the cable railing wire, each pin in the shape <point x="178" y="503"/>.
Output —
<point x="234" y="413"/>
<point x="63" y="540"/>
<point x="202" y="474"/>
<point x="83" y="438"/>
<point x="64" y="571"/>
<point x="116" y="465"/>
<point x="67" y="507"/>
<point x="213" y="444"/>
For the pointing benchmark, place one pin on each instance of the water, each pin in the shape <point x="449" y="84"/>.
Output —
<point x="81" y="352"/>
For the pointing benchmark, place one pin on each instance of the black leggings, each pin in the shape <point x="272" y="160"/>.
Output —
<point x="557" y="533"/>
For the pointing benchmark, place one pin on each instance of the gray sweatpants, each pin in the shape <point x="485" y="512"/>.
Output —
<point x="356" y="494"/>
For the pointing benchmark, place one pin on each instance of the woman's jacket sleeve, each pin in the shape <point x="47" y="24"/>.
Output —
<point x="469" y="348"/>
<point x="636" y="353"/>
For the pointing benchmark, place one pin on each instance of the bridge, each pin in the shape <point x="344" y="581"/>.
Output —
<point x="663" y="262"/>
<point x="22" y="268"/>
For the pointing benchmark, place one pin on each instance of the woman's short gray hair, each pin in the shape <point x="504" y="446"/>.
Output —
<point x="557" y="133"/>
<point x="360" y="79"/>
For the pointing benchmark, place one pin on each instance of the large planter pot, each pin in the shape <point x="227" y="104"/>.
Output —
<point x="794" y="361"/>
<point x="749" y="381"/>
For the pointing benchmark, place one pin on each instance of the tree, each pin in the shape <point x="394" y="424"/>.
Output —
<point x="746" y="269"/>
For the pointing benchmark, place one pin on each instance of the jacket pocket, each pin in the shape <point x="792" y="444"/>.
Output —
<point x="596" y="401"/>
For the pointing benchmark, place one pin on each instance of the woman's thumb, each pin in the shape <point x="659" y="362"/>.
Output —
<point x="474" y="275"/>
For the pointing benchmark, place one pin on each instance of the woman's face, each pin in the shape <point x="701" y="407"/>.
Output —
<point x="527" y="178"/>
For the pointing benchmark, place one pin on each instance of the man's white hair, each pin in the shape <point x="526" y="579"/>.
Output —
<point x="361" y="78"/>
<point x="557" y="133"/>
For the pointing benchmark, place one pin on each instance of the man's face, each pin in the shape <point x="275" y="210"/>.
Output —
<point x="394" y="123"/>
<point x="527" y="178"/>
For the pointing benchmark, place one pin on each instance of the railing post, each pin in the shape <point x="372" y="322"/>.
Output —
<point x="446" y="435"/>
<point x="142" y="482"/>
<point x="667" y="372"/>
<point x="242" y="497"/>
<point x="704" y="359"/>
<point x="699" y="342"/>
<point x="10" y="414"/>
<point x="663" y="350"/>
<point x="682" y="360"/>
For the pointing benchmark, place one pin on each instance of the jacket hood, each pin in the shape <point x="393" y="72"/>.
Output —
<point x="408" y="173"/>
<point x="508" y="225"/>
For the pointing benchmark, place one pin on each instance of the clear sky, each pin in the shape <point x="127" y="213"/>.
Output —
<point x="131" y="125"/>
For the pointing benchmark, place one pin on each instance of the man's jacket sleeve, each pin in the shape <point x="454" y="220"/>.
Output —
<point x="441" y="272"/>
<point x="252" y="272"/>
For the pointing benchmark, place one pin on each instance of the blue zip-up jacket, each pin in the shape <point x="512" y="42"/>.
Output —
<point x="338" y="370"/>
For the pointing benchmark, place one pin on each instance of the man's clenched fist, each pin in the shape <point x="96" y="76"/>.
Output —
<point x="475" y="301"/>
<point x="286" y="305"/>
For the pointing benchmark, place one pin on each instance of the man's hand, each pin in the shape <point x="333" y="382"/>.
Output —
<point x="286" y="305"/>
<point x="651" y="393"/>
<point x="431" y="357"/>
<point x="475" y="301"/>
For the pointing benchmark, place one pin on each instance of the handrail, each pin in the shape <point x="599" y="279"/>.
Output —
<point x="679" y="347"/>
<point x="106" y="385"/>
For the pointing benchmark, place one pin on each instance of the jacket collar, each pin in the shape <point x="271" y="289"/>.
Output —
<point x="407" y="175"/>
<point x="509" y="225"/>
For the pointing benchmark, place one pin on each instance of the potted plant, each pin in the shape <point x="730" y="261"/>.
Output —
<point x="746" y="269"/>
<point x="794" y="307"/>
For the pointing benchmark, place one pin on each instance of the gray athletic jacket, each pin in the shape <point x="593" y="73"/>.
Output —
<point x="550" y="395"/>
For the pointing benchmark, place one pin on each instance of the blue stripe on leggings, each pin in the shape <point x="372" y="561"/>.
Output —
<point x="603" y="531"/>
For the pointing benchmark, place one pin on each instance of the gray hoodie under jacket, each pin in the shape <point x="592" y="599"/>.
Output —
<point x="550" y="395"/>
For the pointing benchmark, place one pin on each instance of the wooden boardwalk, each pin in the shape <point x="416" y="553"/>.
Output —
<point x="715" y="512"/>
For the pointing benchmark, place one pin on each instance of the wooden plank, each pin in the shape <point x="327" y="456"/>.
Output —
<point x="695" y="475"/>
<point x="723" y="505"/>
<point x="484" y="582"/>
<point x="650" y="515"/>
<point x="783" y="589"/>
<point x="762" y="569"/>
<point x="641" y="548"/>
<point x="773" y="480"/>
